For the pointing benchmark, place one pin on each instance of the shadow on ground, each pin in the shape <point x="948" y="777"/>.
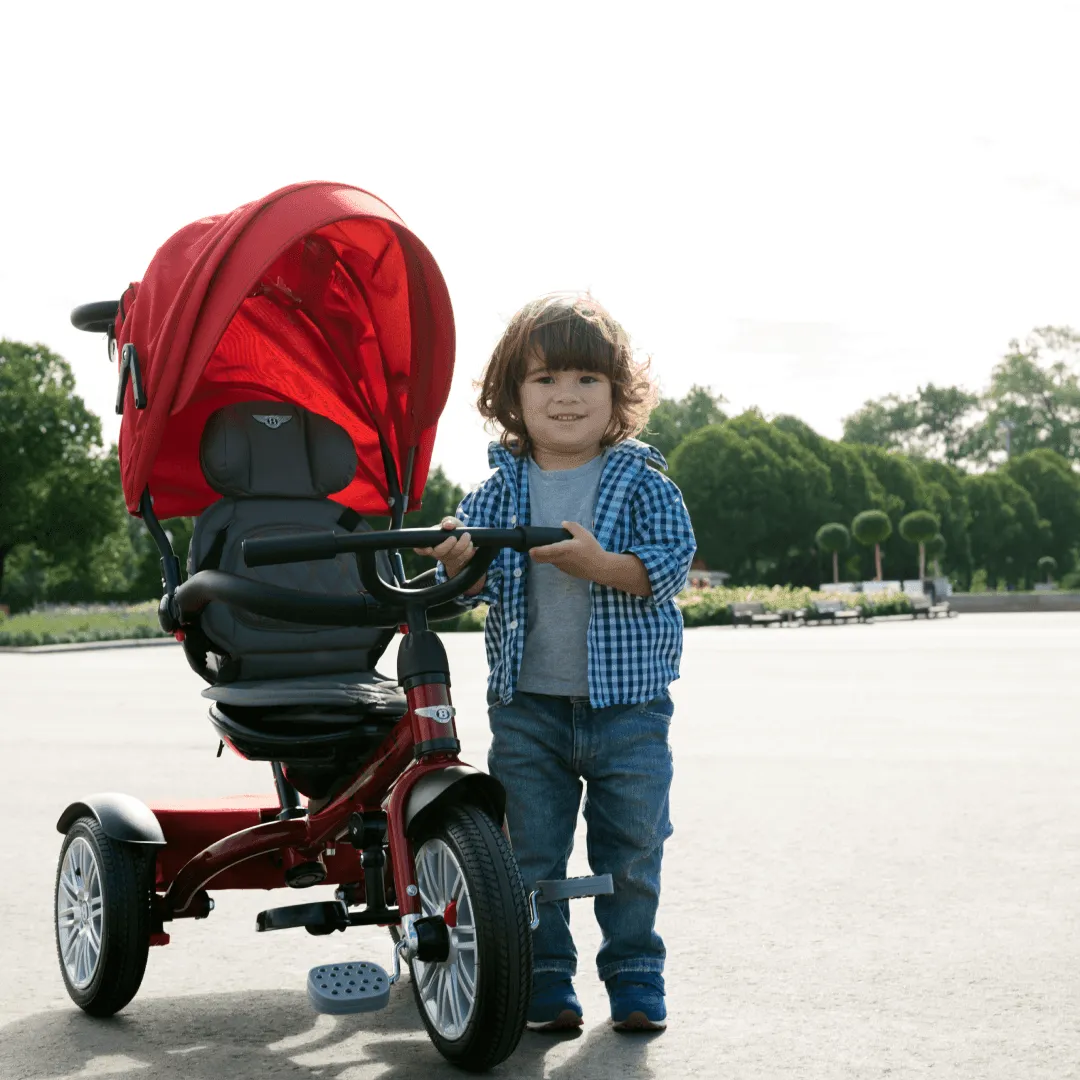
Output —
<point x="264" y="1036"/>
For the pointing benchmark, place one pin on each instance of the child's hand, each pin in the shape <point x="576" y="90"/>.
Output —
<point x="455" y="552"/>
<point x="581" y="557"/>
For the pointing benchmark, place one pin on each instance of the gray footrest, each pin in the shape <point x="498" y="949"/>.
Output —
<point x="352" y="987"/>
<point x="547" y="892"/>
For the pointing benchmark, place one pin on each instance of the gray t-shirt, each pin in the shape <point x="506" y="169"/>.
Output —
<point x="556" y="659"/>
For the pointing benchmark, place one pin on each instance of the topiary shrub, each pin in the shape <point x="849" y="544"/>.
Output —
<point x="834" y="538"/>
<point x="920" y="527"/>
<point x="872" y="528"/>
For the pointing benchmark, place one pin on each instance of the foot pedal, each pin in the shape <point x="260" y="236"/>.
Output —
<point x="550" y="892"/>
<point x="355" y="987"/>
<point x="320" y="918"/>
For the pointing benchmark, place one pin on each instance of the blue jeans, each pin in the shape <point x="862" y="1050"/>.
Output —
<point x="542" y="749"/>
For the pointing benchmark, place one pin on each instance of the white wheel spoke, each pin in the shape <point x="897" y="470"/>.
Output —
<point x="68" y="887"/>
<point x="452" y="994"/>
<point x="426" y="977"/>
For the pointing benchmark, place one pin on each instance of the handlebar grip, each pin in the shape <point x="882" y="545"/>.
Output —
<point x="541" y="536"/>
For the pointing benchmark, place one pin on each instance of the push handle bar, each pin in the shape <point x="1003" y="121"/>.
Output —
<point x="273" y="550"/>
<point x="97" y="318"/>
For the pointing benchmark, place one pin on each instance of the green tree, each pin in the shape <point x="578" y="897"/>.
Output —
<point x="1033" y="402"/>
<point x="904" y="491"/>
<point x="56" y="490"/>
<point x="806" y="488"/>
<point x="671" y="421"/>
<point x="1006" y="532"/>
<point x="872" y="528"/>
<point x="882" y="423"/>
<point x="934" y="423"/>
<point x="1055" y="488"/>
<point x="919" y="527"/>
<point x="853" y="485"/>
<point x="943" y="495"/>
<point x="833" y="538"/>
<point x="734" y="488"/>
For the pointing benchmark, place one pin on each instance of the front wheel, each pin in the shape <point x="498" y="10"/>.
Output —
<point x="102" y="918"/>
<point x="474" y="1003"/>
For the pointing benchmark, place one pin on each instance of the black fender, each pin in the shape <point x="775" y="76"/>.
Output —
<point x="121" y="817"/>
<point x="455" y="783"/>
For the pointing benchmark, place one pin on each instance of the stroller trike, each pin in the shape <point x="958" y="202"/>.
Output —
<point x="282" y="371"/>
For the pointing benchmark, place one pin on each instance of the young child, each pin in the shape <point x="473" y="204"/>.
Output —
<point x="582" y="640"/>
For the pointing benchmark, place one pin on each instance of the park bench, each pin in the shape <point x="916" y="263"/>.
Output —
<point x="836" y="611"/>
<point x="754" y="614"/>
<point x="924" y="606"/>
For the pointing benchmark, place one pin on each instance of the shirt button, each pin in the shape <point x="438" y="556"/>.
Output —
<point x="517" y="572"/>
<point x="513" y="624"/>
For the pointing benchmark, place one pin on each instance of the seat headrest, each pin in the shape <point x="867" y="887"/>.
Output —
<point x="260" y="448"/>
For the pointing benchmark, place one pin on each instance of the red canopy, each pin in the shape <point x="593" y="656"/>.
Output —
<point x="316" y="295"/>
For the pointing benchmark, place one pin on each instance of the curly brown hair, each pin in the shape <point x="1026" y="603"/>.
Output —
<point x="574" y="333"/>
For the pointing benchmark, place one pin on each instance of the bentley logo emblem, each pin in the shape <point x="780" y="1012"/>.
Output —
<point x="441" y="714"/>
<point x="272" y="421"/>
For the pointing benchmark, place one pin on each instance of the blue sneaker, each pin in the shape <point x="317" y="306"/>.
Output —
<point x="637" y="1001"/>
<point x="554" y="1005"/>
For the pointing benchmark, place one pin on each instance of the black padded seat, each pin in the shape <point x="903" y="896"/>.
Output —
<point x="276" y="466"/>
<point x="365" y="693"/>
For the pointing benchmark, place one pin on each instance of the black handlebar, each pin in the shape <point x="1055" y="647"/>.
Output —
<point x="96" y="318"/>
<point x="273" y="550"/>
<point x="382" y="604"/>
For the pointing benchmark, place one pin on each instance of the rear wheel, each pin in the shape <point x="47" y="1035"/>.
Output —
<point x="473" y="1004"/>
<point x="102" y="918"/>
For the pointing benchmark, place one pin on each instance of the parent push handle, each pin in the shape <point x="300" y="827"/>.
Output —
<point x="274" y="550"/>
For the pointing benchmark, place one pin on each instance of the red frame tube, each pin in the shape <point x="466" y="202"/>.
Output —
<point x="388" y="779"/>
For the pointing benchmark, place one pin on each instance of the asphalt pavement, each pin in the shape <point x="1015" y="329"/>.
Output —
<point x="875" y="870"/>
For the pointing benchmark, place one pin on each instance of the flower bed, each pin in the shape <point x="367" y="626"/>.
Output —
<point x="709" y="607"/>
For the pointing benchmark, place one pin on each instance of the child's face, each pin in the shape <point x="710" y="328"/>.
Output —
<point x="565" y="412"/>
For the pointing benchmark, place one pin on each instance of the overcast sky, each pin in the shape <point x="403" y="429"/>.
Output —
<point x="802" y="206"/>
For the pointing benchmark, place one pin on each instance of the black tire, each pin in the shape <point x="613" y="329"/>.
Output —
<point x="503" y="952"/>
<point x="124" y="873"/>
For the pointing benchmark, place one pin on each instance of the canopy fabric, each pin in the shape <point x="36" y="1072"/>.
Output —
<point x="317" y="295"/>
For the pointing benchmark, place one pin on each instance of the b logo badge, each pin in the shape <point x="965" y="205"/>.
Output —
<point x="272" y="421"/>
<point x="441" y="714"/>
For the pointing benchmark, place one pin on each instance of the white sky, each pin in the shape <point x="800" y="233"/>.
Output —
<point x="803" y="206"/>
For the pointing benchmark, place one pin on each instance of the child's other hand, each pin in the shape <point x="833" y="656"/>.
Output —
<point x="580" y="557"/>
<point x="455" y="552"/>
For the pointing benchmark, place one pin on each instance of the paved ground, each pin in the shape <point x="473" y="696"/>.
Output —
<point x="875" y="870"/>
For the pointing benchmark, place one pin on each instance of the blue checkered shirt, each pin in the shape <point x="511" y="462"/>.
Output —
<point x="634" y="642"/>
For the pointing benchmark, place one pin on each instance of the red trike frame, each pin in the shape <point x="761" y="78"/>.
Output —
<point x="385" y="784"/>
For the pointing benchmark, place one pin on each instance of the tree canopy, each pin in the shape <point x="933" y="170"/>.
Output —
<point x="56" y="482"/>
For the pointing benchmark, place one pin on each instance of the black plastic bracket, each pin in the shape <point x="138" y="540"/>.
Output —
<point x="129" y="366"/>
<point x="367" y="833"/>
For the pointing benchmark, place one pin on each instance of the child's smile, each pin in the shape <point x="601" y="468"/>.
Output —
<point x="566" y="413"/>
